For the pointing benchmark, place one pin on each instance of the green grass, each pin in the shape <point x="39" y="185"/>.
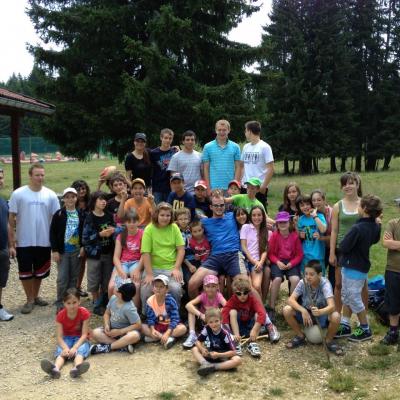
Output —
<point x="166" y="396"/>
<point x="294" y="375"/>
<point x="380" y="362"/>
<point x="378" y="349"/>
<point x="276" y="391"/>
<point x="340" y="382"/>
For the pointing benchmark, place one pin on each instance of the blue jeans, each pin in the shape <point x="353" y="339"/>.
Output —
<point x="83" y="349"/>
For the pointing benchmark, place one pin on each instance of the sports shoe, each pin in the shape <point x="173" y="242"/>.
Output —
<point x="239" y="350"/>
<point x="343" y="331"/>
<point x="131" y="349"/>
<point x="5" y="316"/>
<point x="79" y="369"/>
<point x="149" y="339"/>
<point x="82" y="293"/>
<point x="273" y="333"/>
<point x="360" y="335"/>
<point x="41" y="302"/>
<point x="206" y="368"/>
<point x="100" y="348"/>
<point x="170" y="343"/>
<point x="190" y="341"/>
<point x="48" y="367"/>
<point x="254" y="350"/>
<point x="27" y="308"/>
<point x="390" y="338"/>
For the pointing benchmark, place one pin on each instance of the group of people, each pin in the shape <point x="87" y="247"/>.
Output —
<point x="182" y="244"/>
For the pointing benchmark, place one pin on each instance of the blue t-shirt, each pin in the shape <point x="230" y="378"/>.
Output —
<point x="222" y="233"/>
<point x="160" y="160"/>
<point x="3" y="224"/>
<point x="313" y="249"/>
<point x="187" y="200"/>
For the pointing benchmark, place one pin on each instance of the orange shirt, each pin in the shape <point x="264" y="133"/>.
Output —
<point x="143" y="210"/>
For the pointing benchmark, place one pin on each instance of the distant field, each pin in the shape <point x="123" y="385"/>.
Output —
<point x="384" y="184"/>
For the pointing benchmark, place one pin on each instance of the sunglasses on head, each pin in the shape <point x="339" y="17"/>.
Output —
<point x="244" y="293"/>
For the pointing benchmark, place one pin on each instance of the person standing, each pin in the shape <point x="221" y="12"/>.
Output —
<point x="6" y="250"/>
<point x="257" y="160"/>
<point x="31" y="209"/>
<point x="221" y="158"/>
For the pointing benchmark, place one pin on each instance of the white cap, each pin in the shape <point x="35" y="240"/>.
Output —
<point x="163" y="278"/>
<point x="69" y="190"/>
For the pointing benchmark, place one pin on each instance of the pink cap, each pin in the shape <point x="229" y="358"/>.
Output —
<point x="201" y="183"/>
<point x="210" y="279"/>
<point x="235" y="182"/>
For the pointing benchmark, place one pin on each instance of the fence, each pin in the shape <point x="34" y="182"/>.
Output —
<point x="29" y="145"/>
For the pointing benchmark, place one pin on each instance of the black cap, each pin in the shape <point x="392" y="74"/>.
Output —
<point x="140" y="135"/>
<point x="175" y="176"/>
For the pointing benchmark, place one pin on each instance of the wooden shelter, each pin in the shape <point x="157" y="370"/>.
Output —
<point x="16" y="105"/>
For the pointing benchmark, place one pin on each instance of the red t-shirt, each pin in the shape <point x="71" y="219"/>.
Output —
<point x="72" y="327"/>
<point x="201" y="249"/>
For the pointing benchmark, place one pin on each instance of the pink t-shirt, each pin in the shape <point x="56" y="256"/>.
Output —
<point x="249" y="233"/>
<point x="205" y="302"/>
<point x="132" y="250"/>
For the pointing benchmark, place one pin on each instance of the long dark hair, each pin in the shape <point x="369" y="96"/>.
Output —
<point x="286" y="202"/>
<point x="130" y="215"/>
<point x="263" y="233"/>
<point x="77" y="185"/>
<point x="352" y="177"/>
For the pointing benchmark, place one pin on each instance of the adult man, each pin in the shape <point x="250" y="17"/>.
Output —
<point x="257" y="160"/>
<point x="187" y="162"/>
<point x="221" y="158"/>
<point x="222" y="233"/>
<point x="31" y="209"/>
<point x="4" y="253"/>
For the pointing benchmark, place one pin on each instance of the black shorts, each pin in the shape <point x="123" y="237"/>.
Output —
<point x="279" y="273"/>
<point x="392" y="297"/>
<point x="4" y="267"/>
<point x="33" y="262"/>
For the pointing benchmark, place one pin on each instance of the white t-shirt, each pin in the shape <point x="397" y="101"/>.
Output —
<point x="34" y="213"/>
<point x="189" y="165"/>
<point x="254" y="157"/>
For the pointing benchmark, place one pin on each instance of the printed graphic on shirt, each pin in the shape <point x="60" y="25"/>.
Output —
<point x="251" y="157"/>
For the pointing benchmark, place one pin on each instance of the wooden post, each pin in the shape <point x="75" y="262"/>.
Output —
<point x="15" y="150"/>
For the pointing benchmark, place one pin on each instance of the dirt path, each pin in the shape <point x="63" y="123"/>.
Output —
<point x="153" y="373"/>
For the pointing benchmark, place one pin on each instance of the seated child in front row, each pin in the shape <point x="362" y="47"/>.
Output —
<point x="246" y="315"/>
<point x="209" y="298"/>
<point x="121" y="322"/>
<point x="317" y="301"/>
<point x="72" y="324"/>
<point x="163" y="321"/>
<point x="220" y="353"/>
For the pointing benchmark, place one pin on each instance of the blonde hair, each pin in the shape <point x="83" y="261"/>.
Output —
<point x="241" y="284"/>
<point x="212" y="312"/>
<point x="223" y="122"/>
<point x="181" y="211"/>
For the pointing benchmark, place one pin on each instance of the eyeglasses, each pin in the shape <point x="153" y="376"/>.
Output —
<point x="244" y="293"/>
<point x="219" y="205"/>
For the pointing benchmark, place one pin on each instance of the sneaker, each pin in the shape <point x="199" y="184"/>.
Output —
<point x="149" y="339"/>
<point x="206" y="369"/>
<point x="239" y="350"/>
<point x="254" y="350"/>
<point x="41" y="302"/>
<point x="170" y="343"/>
<point x="273" y="333"/>
<point x="343" y="331"/>
<point x="27" y="308"/>
<point x="82" y="293"/>
<point x="360" y="335"/>
<point x="130" y="349"/>
<point x="48" y="367"/>
<point x="190" y="341"/>
<point x="5" y="316"/>
<point x="79" y="369"/>
<point x="100" y="348"/>
<point x="390" y="338"/>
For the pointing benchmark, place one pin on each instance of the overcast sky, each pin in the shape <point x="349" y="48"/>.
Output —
<point x="16" y="30"/>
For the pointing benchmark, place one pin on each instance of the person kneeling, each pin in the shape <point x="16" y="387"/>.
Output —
<point x="121" y="322"/>
<point x="316" y="303"/>
<point x="220" y="353"/>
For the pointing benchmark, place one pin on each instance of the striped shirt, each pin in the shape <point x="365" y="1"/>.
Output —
<point x="222" y="162"/>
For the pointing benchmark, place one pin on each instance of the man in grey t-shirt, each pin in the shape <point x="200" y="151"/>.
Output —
<point x="187" y="161"/>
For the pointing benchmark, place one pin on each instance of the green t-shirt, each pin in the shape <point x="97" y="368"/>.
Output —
<point x="243" y="200"/>
<point x="161" y="243"/>
<point x="393" y="256"/>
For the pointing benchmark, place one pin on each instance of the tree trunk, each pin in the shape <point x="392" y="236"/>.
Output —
<point x="315" y="165"/>
<point x="293" y="166"/>
<point x="358" y="163"/>
<point x="370" y="163"/>
<point x="286" y="166"/>
<point x="333" y="164"/>
<point x="305" y="165"/>
<point x="343" y="164"/>
<point x="386" y="163"/>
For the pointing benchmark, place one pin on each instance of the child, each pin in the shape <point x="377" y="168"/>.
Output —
<point x="118" y="185"/>
<point x="144" y="206"/>
<point x="99" y="246"/>
<point x="246" y="315"/>
<point x="290" y="194"/>
<point x="247" y="200"/>
<point x="220" y="354"/>
<point x="310" y="226"/>
<point x="234" y="188"/>
<point x="316" y="295"/>
<point x="285" y="253"/>
<point x="127" y="257"/>
<point x="179" y="197"/>
<point x="254" y="239"/>
<point x="355" y="266"/>
<point x="163" y="321"/>
<point x="241" y="216"/>
<point x="209" y="298"/>
<point x="200" y="197"/>
<point x="72" y="324"/>
<point x="66" y="239"/>
<point x="198" y="243"/>
<point x="391" y="240"/>
<point x="121" y="322"/>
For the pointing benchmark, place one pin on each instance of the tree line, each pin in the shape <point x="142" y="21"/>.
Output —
<point x="325" y="82"/>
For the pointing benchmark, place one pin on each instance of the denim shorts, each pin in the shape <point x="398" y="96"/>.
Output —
<point x="276" y="272"/>
<point x="128" y="266"/>
<point x="231" y="263"/>
<point x="83" y="349"/>
<point x="323" y="319"/>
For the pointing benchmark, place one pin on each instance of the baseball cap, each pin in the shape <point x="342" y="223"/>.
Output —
<point x="163" y="278"/>
<point x="139" y="180"/>
<point x="235" y="182"/>
<point x="69" y="190"/>
<point x="282" y="216"/>
<point x="201" y="183"/>
<point x="175" y="176"/>
<point x="140" y="135"/>
<point x="210" y="279"/>
<point x="254" y="182"/>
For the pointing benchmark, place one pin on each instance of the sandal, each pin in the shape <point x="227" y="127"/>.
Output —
<point x="335" y="348"/>
<point x="297" y="341"/>
<point x="254" y="350"/>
